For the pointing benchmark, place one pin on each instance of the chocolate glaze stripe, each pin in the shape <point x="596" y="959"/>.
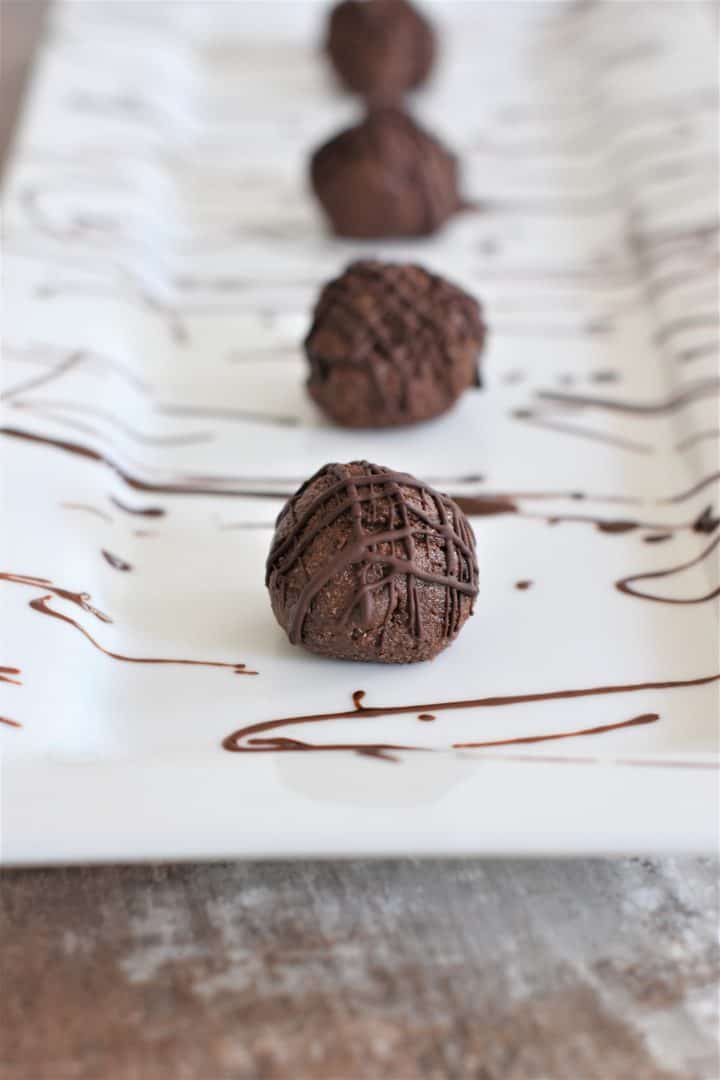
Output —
<point x="697" y="352"/>
<point x="41" y="605"/>
<point x="698" y="436"/>
<point x="57" y="410"/>
<point x="65" y="365"/>
<point x="699" y="321"/>
<point x="56" y="369"/>
<point x="6" y="672"/>
<point x="253" y="746"/>
<point x="139" y="511"/>
<point x="216" y="413"/>
<point x="694" y="490"/>
<point x="131" y="480"/>
<point x="624" y="584"/>
<point x="88" y="510"/>
<point x="80" y="599"/>
<point x="81" y="357"/>
<point x="635" y="721"/>
<point x="478" y="506"/>
<point x="115" y="561"/>
<point x="577" y="431"/>
<point x="707" y="388"/>
<point x="706" y="521"/>
<point x="646" y="763"/>
<point x="380" y="750"/>
<point x="9" y="722"/>
<point x="192" y="488"/>
<point x="640" y="763"/>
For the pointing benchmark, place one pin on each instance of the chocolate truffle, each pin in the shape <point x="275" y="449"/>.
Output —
<point x="371" y="564"/>
<point x="385" y="177"/>
<point x="380" y="48"/>
<point x="392" y="344"/>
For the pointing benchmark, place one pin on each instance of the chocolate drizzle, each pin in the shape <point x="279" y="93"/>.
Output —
<point x="196" y="486"/>
<point x="491" y="506"/>
<point x="486" y="505"/>
<point x="82" y="600"/>
<point x="580" y="432"/>
<point x="706" y="522"/>
<point x="624" y="585"/>
<point x="87" y="509"/>
<point x="115" y="561"/>
<point x="601" y="729"/>
<point x="247" y="740"/>
<point x="139" y="511"/>
<point x="696" y="437"/>
<point x="386" y="525"/>
<point x="7" y="672"/>
<point x="41" y="604"/>
<point x="180" y="487"/>
<point x="694" y="490"/>
<point x="704" y="388"/>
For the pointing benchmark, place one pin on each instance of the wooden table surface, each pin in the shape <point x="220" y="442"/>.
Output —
<point x="490" y="970"/>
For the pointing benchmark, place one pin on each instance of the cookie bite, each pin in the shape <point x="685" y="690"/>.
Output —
<point x="392" y="344"/>
<point x="385" y="177"/>
<point x="380" y="49"/>
<point x="371" y="564"/>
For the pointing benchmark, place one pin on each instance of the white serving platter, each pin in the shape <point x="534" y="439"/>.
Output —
<point x="162" y="255"/>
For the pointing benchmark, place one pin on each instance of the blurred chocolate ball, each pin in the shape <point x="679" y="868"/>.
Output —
<point x="380" y="48"/>
<point x="392" y="344"/>
<point x="385" y="177"/>
<point x="371" y="564"/>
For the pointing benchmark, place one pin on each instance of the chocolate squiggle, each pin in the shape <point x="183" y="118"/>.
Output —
<point x="5" y="676"/>
<point x="7" y="672"/>
<point x="42" y="605"/>
<point x="82" y="600"/>
<point x="703" y="389"/>
<point x="115" y="561"/>
<point x="624" y="585"/>
<point x="245" y="740"/>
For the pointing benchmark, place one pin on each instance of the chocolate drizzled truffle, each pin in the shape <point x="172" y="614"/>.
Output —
<point x="392" y="344"/>
<point x="380" y="48"/>
<point x="371" y="564"/>
<point x="385" y="177"/>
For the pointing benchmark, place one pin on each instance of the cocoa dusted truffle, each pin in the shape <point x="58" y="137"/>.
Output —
<point x="392" y="344"/>
<point x="371" y="564"/>
<point x="380" y="48"/>
<point x="385" y="177"/>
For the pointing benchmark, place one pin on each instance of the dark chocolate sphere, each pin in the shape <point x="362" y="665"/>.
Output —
<point x="380" y="48"/>
<point x="392" y="344"/>
<point x="371" y="564"/>
<point x="385" y="177"/>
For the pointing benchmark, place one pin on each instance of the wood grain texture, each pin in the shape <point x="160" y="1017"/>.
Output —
<point x="576" y="970"/>
<point x="548" y="970"/>
<point x="21" y="23"/>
